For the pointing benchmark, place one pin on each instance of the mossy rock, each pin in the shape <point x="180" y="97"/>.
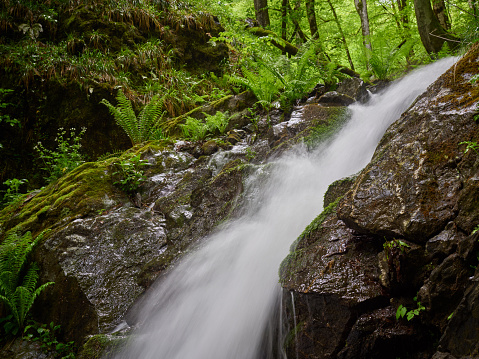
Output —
<point x="101" y="346"/>
<point x="81" y="193"/>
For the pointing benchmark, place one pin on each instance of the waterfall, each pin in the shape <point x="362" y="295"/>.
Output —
<point x="216" y="303"/>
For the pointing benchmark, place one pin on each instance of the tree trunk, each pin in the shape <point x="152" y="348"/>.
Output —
<point x="439" y="9"/>
<point x="262" y="14"/>
<point x="297" y="27"/>
<point x="362" y="9"/>
<point x="284" y="20"/>
<point x="311" y="14"/>
<point x="341" y="32"/>
<point x="472" y="6"/>
<point x="430" y="30"/>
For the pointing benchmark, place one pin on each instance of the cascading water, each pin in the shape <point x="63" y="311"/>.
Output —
<point x="216" y="303"/>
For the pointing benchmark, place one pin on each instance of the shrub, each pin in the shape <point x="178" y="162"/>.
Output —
<point x="142" y="128"/>
<point x="18" y="278"/>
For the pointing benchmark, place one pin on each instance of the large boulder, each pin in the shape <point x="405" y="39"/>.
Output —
<point x="401" y="230"/>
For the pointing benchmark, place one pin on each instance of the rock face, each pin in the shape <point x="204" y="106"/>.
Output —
<point x="402" y="229"/>
<point x="105" y="247"/>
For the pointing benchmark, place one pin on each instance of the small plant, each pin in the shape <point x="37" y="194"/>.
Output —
<point x="395" y="243"/>
<point x="46" y="335"/>
<point x="31" y="30"/>
<point x="18" y="278"/>
<point x="250" y="154"/>
<point x="193" y="129"/>
<point x="142" y="128"/>
<point x="12" y="193"/>
<point x="6" y="118"/>
<point x="65" y="158"/>
<point x="470" y="145"/>
<point x="218" y="121"/>
<point x="130" y="173"/>
<point x="402" y="311"/>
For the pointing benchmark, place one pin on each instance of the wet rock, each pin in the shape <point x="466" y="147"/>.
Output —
<point x="407" y="221"/>
<point x="337" y="189"/>
<point x="209" y="147"/>
<point x="445" y="243"/>
<point x="412" y="185"/>
<point x="335" y="98"/>
<point x="24" y="349"/>
<point x="379" y="335"/>
<point x="354" y="88"/>
<point x="98" y="260"/>
<point x="401" y="265"/>
<point x="330" y="277"/>
<point x="461" y="337"/>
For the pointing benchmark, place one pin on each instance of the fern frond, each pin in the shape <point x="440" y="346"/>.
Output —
<point x="41" y="289"/>
<point x="124" y="116"/>
<point x="8" y="302"/>
<point x="150" y="117"/>
<point x="23" y="302"/>
<point x="14" y="259"/>
<point x="31" y="277"/>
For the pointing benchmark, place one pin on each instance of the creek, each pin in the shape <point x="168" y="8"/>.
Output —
<point x="217" y="302"/>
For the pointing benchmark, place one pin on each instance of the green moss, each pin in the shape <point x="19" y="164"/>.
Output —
<point x="171" y="126"/>
<point x="82" y="190"/>
<point x="98" y="346"/>
<point x="328" y="121"/>
<point x="316" y="223"/>
<point x="288" y="264"/>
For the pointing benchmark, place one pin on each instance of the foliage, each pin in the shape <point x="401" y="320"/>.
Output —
<point x="385" y="62"/>
<point x="46" y="335"/>
<point x="194" y="129"/>
<point x="395" y="243"/>
<point x="31" y="30"/>
<point x="4" y="117"/>
<point x="65" y="157"/>
<point x="12" y="193"/>
<point x="3" y="105"/>
<point x="18" y="277"/>
<point x="130" y="174"/>
<point x="470" y="145"/>
<point x="217" y="122"/>
<point x="402" y="311"/>
<point x="145" y="127"/>
<point x="260" y="79"/>
<point x="197" y="130"/>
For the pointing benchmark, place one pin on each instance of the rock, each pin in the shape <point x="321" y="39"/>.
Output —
<point x="24" y="349"/>
<point x="337" y="189"/>
<point x="94" y="263"/>
<point x="103" y="251"/>
<point x="354" y="88"/>
<point x="329" y="278"/>
<point x="412" y="186"/>
<point x="334" y="98"/>
<point x="403" y="229"/>
<point x="379" y="335"/>
<point x="461" y="337"/>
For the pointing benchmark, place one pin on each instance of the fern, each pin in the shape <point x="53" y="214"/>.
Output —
<point x="142" y="128"/>
<point x="18" y="277"/>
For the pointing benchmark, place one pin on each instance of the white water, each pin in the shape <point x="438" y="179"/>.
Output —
<point x="216" y="303"/>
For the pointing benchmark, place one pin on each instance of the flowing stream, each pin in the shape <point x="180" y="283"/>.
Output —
<point x="216" y="303"/>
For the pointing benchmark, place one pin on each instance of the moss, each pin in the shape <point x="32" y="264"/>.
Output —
<point x="287" y="265"/>
<point x="99" y="346"/>
<point x="82" y="190"/>
<point x="327" y="122"/>
<point x="171" y="126"/>
<point x="316" y="223"/>
<point x="463" y="93"/>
